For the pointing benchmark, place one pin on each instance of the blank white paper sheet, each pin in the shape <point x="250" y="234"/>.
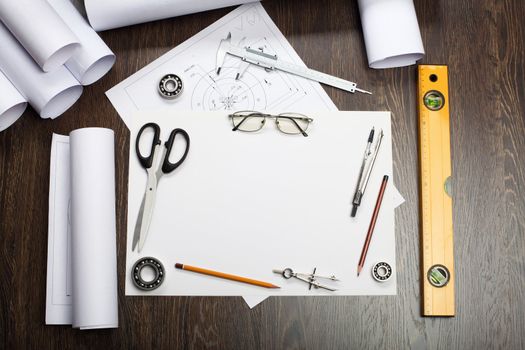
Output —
<point x="248" y="203"/>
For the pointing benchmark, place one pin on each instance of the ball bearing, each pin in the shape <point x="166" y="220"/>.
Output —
<point x="170" y="86"/>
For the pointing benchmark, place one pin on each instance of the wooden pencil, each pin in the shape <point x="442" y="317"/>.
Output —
<point x="225" y="276"/>
<point x="372" y="225"/>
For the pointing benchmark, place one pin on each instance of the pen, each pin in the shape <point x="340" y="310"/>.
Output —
<point x="364" y="172"/>
<point x="372" y="225"/>
<point x="225" y="276"/>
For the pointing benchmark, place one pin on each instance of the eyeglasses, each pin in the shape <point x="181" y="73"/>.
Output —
<point x="288" y="123"/>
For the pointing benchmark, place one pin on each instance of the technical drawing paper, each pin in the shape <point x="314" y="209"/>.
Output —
<point x="293" y="209"/>
<point x="58" y="294"/>
<point x="194" y="61"/>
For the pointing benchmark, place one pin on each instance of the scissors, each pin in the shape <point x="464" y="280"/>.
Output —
<point x="154" y="174"/>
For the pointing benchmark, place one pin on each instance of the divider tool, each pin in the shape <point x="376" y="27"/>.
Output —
<point x="436" y="203"/>
<point x="310" y="278"/>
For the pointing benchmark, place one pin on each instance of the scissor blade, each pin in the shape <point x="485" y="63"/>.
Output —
<point x="149" y="202"/>
<point x="136" y="234"/>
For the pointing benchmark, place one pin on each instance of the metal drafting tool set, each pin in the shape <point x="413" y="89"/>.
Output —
<point x="250" y="196"/>
<point x="436" y="209"/>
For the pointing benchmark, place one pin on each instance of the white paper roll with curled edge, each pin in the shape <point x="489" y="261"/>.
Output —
<point x="391" y="33"/>
<point x="12" y="103"/>
<point x="94" y="58"/>
<point x="40" y="30"/>
<point x="93" y="228"/>
<point x="109" y="14"/>
<point x="50" y="94"/>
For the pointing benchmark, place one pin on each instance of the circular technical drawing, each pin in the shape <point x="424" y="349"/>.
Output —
<point x="223" y="92"/>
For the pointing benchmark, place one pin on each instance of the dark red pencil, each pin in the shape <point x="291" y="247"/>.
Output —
<point x="372" y="225"/>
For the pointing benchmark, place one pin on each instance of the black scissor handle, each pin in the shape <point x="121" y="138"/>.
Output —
<point x="168" y="167"/>
<point x="147" y="161"/>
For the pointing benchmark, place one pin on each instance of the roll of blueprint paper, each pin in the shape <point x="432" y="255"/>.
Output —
<point x="391" y="33"/>
<point x="94" y="58"/>
<point x="12" y="103"/>
<point x="93" y="228"/>
<point x="108" y="14"/>
<point x="40" y="30"/>
<point x="50" y="94"/>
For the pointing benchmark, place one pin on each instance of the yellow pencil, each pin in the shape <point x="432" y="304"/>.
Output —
<point x="225" y="276"/>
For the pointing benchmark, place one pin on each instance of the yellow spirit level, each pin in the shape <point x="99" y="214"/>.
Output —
<point x="436" y="203"/>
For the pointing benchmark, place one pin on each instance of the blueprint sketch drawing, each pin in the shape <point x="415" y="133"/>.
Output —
<point x="195" y="62"/>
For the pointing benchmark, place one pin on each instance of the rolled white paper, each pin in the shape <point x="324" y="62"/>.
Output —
<point x="93" y="228"/>
<point x="40" y="30"/>
<point x="12" y="103"/>
<point x="391" y="33"/>
<point x="94" y="58"/>
<point x="50" y="94"/>
<point x="108" y="14"/>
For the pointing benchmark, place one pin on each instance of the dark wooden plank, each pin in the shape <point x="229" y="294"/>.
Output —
<point x="482" y="41"/>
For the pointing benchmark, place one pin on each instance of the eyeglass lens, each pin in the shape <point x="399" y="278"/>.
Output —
<point x="248" y="122"/>
<point x="292" y="125"/>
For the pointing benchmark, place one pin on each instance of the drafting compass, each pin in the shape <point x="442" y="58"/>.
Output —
<point x="270" y="62"/>
<point x="310" y="278"/>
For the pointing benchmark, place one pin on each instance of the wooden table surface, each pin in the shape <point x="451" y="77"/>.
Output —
<point x="483" y="43"/>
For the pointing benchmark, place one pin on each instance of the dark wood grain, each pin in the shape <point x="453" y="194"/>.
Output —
<point x="482" y="41"/>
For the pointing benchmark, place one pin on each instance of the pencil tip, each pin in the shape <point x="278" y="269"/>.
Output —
<point x="358" y="270"/>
